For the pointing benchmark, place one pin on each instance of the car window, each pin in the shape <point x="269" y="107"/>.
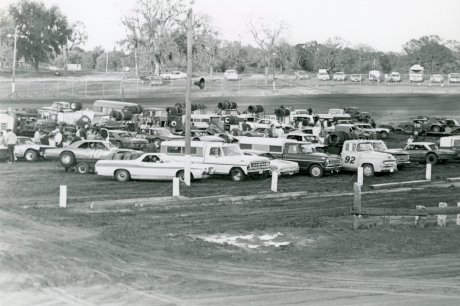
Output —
<point x="83" y="146"/>
<point x="293" y="149"/>
<point x="111" y="134"/>
<point x="100" y="146"/>
<point x="215" y="152"/>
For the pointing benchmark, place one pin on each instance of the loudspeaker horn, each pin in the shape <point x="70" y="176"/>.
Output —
<point x="200" y="83"/>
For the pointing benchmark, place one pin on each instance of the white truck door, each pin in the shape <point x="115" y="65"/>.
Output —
<point x="350" y="157"/>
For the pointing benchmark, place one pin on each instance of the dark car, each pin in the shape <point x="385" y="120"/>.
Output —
<point x="124" y="139"/>
<point x="428" y="152"/>
<point x="157" y="135"/>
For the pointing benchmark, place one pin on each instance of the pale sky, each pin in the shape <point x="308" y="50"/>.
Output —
<point x="385" y="25"/>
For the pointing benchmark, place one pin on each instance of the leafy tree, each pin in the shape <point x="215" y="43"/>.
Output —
<point x="46" y="31"/>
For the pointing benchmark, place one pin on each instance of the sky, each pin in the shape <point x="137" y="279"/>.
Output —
<point x="384" y="25"/>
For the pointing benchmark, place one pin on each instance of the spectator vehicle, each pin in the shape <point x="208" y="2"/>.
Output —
<point x="157" y="135"/>
<point x="302" y="153"/>
<point x="339" y="76"/>
<point x="374" y="75"/>
<point x="454" y="77"/>
<point x="429" y="153"/>
<point x="436" y="78"/>
<point x="381" y="133"/>
<point x="416" y="73"/>
<point x="314" y="140"/>
<point x="357" y="114"/>
<point x="147" y="166"/>
<point x="358" y="153"/>
<point x="402" y="157"/>
<point x="394" y="77"/>
<point x="231" y="75"/>
<point x="27" y="149"/>
<point x="301" y="75"/>
<point x="225" y="159"/>
<point x="124" y="139"/>
<point x="356" y="78"/>
<point x="82" y="155"/>
<point x="173" y="75"/>
<point x="283" y="167"/>
<point x="450" y="143"/>
<point x="323" y="75"/>
<point x="352" y="128"/>
<point x="267" y="123"/>
<point x="422" y="125"/>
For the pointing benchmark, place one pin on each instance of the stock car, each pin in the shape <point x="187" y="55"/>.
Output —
<point x="82" y="155"/>
<point x="157" y="135"/>
<point x="402" y="157"/>
<point x="258" y="132"/>
<point x="427" y="152"/>
<point x="147" y="166"/>
<point x="173" y="75"/>
<point x="198" y="135"/>
<point x="124" y="139"/>
<point x="284" y="167"/>
<point x="27" y="149"/>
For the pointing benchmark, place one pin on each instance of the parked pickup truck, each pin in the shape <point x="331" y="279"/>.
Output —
<point x="357" y="114"/>
<point x="338" y="114"/>
<point x="358" y="153"/>
<point x="224" y="159"/>
<point x="302" y="153"/>
<point x="450" y="143"/>
<point x="319" y="146"/>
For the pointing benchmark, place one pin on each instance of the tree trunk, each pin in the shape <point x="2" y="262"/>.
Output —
<point x="211" y="71"/>
<point x="36" y="63"/>
<point x="266" y="74"/>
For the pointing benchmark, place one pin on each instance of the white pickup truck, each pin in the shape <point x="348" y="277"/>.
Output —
<point x="224" y="159"/>
<point x="357" y="153"/>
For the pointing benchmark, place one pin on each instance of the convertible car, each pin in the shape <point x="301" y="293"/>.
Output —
<point x="147" y="166"/>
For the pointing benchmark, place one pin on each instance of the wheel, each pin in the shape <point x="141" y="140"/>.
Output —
<point x="181" y="176"/>
<point x="157" y="143"/>
<point x="409" y="128"/>
<point x="196" y="139"/>
<point x="316" y="171"/>
<point x="82" y="168"/>
<point x="67" y="159"/>
<point x="384" y="135"/>
<point x="118" y="144"/>
<point x="237" y="175"/>
<point x="431" y="159"/>
<point x="31" y="155"/>
<point x="122" y="176"/>
<point x="436" y="129"/>
<point x="368" y="170"/>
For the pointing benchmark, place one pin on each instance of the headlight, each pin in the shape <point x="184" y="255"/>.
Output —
<point x="327" y="161"/>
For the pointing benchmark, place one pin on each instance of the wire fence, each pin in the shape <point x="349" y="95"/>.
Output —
<point x="137" y="87"/>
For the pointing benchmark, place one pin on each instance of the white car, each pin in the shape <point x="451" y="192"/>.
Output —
<point x="267" y="123"/>
<point x="283" y="167"/>
<point x="231" y="75"/>
<point x="356" y="78"/>
<point x="394" y="77"/>
<point x="146" y="166"/>
<point x="299" y="75"/>
<point x="454" y="77"/>
<point x="436" y="78"/>
<point x="26" y="148"/>
<point x="323" y="75"/>
<point x="173" y="75"/>
<point x="339" y="76"/>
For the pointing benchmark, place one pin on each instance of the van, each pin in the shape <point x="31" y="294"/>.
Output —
<point x="106" y="106"/>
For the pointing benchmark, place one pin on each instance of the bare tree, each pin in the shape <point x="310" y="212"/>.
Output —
<point x="266" y="35"/>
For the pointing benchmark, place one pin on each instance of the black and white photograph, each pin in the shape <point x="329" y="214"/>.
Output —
<point x="229" y="152"/>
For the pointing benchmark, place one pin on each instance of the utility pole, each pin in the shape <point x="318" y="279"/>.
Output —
<point x="15" y="35"/>
<point x="107" y="61"/>
<point x="188" y="107"/>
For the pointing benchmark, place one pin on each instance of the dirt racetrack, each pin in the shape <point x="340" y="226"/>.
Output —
<point x="269" y="252"/>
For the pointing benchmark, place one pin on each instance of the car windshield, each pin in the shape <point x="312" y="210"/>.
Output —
<point x="110" y="145"/>
<point x="163" y="132"/>
<point x="365" y="126"/>
<point x="232" y="151"/>
<point x="322" y="73"/>
<point x="27" y="141"/>
<point x="455" y="122"/>
<point x="339" y="73"/>
<point x="312" y="139"/>
<point x="334" y="112"/>
<point x="231" y="71"/>
<point x="126" y="135"/>
<point x="436" y="76"/>
<point x="307" y="148"/>
<point x="301" y="72"/>
<point x="379" y="146"/>
<point x="433" y="147"/>
<point x="455" y="75"/>
<point x="268" y="155"/>
<point x="365" y="147"/>
<point x="166" y="159"/>
<point x="355" y="76"/>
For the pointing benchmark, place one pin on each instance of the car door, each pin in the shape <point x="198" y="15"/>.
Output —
<point x="350" y="160"/>
<point x="414" y="152"/>
<point x="151" y="167"/>
<point x="293" y="153"/>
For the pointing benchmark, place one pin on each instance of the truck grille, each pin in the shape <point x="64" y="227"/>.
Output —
<point x="262" y="165"/>
<point x="402" y="157"/>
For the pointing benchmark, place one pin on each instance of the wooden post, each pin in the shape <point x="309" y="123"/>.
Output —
<point x="420" y="221"/>
<point x="356" y="204"/>
<point x="86" y="87"/>
<point x="239" y="84"/>
<point x="428" y="172"/>
<point x="458" y="216"/>
<point x="103" y="89"/>
<point x="170" y="87"/>
<point x="63" y="196"/>
<point x="28" y="87"/>
<point x="176" y="192"/>
<point x="360" y="175"/>
<point x="59" y="84"/>
<point x="274" y="181"/>
<point x="222" y="84"/>
<point x="442" y="219"/>
<point x="137" y="85"/>
<point x="72" y="87"/>
<point x="256" y="82"/>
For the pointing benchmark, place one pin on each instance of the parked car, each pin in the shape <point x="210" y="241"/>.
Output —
<point x="283" y="167"/>
<point x="199" y="135"/>
<point x="266" y="123"/>
<point x="402" y="157"/>
<point x="231" y="75"/>
<point x="454" y="77"/>
<point x="301" y="75"/>
<point x="422" y="125"/>
<point x="394" y="77"/>
<point x="428" y="152"/>
<point x="356" y="78"/>
<point x="27" y="149"/>
<point x="173" y="75"/>
<point x="157" y="135"/>
<point x="323" y="75"/>
<point x="258" y="132"/>
<point x="381" y="133"/>
<point x="339" y="76"/>
<point x="436" y="78"/>
<point x="147" y="166"/>
<point x="124" y="139"/>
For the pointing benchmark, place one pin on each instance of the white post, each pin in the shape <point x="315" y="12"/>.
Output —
<point x="360" y="175"/>
<point x="176" y="192"/>
<point x="239" y="84"/>
<point x="63" y="196"/>
<point x="274" y="181"/>
<point x="458" y="216"/>
<point x="86" y="87"/>
<point x="43" y="87"/>
<point x="170" y="87"/>
<point x="420" y="221"/>
<point x="222" y="84"/>
<point x="72" y="87"/>
<point x="137" y="84"/>
<point x="28" y="87"/>
<point x="442" y="219"/>
<point x="428" y="172"/>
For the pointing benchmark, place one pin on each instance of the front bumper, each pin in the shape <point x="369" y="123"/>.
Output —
<point x="333" y="167"/>
<point x="389" y="169"/>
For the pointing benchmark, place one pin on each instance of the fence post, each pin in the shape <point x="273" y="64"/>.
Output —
<point x="420" y="221"/>
<point x="170" y="87"/>
<point x="59" y="86"/>
<point x="63" y="196"/>
<point x="458" y="215"/>
<point x="222" y="84"/>
<point x="239" y="83"/>
<point x="103" y="89"/>
<point x="428" y="172"/>
<point x="356" y="204"/>
<point x="72" y="87"/>
<point x="176" y="192"/>
<point x="137" y="85"/>
<point x="442" y="219"/>
<point x="86" y="87"/>
<point x="360" y="175"/>
<point x="274" y="181"/>
<point x="28" y="87"/>
<point x="43" y="87"/>
<point x="256" y="82"/>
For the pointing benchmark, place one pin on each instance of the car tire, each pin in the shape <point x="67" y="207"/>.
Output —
<point x="436" y="129"/>
<point x="316" y="171"/>
<point x="31" y="155"/>
<point x="82" y="168"/>
<point x="431" y="159"/>
<point x="122" y="175"/>
<point x="237" y="175"/>
<point x="118" y="144"/>
<point x="181" y="175"/>
<point x="383" y="135"/>
<point x="67" y="159"/>
<point x="368" y="170"/>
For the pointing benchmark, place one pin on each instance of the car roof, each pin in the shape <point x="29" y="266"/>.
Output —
<point x="422" y="143"/>
<point x="255" y="151"/>
<point x="119" y="131"/>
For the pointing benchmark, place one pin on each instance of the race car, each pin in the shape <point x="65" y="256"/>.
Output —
<point x="427" y="152"/>
<point x="27" y="149"/>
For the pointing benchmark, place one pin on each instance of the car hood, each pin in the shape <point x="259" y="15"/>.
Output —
<point x="245" y="159"/>
<point x="283" y="163"/>
<point x="394" y="151"/>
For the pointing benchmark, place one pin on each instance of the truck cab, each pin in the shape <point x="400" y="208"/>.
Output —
<point x="450" y="143"/>
<point x="338" y="114"/>
<point x="357" y="153"/>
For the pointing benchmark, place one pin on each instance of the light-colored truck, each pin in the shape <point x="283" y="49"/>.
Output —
<point x="451" y="143"/>
<point x="352" y="128"/>
<point x="224" y="159"/>
<point x="358" y="153"/>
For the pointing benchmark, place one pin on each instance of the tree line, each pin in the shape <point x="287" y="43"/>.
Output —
<point x="156" y="41"/>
